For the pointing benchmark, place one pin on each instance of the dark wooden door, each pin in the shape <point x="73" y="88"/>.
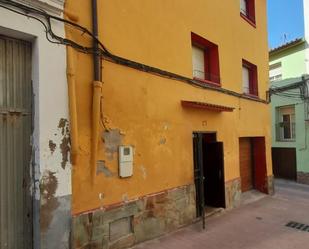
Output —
<point x="214" y="174"/>
<point x="259" y="164"/>
<point x="199" y="175"/>
<point x="284" y="163"/>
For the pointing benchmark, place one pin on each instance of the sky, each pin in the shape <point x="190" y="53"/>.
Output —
<point x="285" y="21"/>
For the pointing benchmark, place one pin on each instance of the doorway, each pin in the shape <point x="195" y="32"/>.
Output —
<point x="246" y="164"/>
<point x="284" y="163"/>
<point x="208" y="171"/>
<point x="15" y="144"/>
<point x="252" y="164"/>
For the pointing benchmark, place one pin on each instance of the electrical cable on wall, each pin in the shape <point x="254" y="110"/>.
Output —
<point x="45" y="19"/>
<point x="289" y="91"/>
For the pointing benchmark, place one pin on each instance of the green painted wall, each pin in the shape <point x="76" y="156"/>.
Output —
<point x="301" y="142"/>
<point x="292" y="61"/>
<point x="293" y="67"/>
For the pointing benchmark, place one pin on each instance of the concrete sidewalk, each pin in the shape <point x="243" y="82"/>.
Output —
<point x="257" y="225"/>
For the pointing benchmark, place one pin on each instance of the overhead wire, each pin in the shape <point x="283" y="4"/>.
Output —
<point x="103" y="51"/>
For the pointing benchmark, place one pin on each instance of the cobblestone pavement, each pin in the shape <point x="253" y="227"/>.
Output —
<point x="260" y="224"/>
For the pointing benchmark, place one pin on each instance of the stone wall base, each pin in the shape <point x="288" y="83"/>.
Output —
<point x="127" y="224"/>
<point x="55" y="223"/>
<point x="303" y="177"/>
<point x="134" y="222"/>
<point x="270" y="185"/>
<point x="232" y="193"/>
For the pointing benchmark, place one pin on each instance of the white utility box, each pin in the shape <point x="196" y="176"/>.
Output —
<point x="125" y="161"/>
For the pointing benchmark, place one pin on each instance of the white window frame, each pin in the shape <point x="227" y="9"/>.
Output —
<point x="290" y="112"/>
<point x="198" y="62"/>
<point x="246" y="79"/>
<point x="275" y="72"/>
<point x="243" y="7"/>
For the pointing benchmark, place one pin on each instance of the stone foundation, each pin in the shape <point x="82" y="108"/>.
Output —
<point x="55" y="223"/>
<point x="134" y="222"/>
<point x="270" y="185"/>
<point x="232" y="193"/>
<point x="303" y="177"/>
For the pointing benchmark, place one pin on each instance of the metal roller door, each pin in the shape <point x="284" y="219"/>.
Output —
<point x="15" y="148"/>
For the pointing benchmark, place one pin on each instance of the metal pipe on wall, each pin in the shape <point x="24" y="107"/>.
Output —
<point x="97" y="93"/>
<point x="72" y="105"/>
<point x="96" y="56"/>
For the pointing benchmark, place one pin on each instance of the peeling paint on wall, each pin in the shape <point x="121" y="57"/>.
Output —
<point x="65" y="145"/>
<point x="103" y="169"/>
<point x="49" y="202"/>
<point x="52" y="146"/>
<point x="112" y="140"/>
<point x="65" y="150"/>
<point x="63" y="125"/>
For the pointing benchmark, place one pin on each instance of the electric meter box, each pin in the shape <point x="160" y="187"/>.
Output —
<point x="125" y="161"/>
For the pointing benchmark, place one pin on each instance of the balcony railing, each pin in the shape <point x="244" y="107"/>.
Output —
<point x="285" y="131"/>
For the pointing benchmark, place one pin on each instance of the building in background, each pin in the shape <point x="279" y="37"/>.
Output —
<point x="168" y="116"/>
<point x="288" y="70"/>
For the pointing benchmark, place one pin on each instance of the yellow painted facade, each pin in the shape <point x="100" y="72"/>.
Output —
<point x="146" y="108"/>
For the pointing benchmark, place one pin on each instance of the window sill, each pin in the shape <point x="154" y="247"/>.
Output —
<point x="286" y="140"/>
<point x="208" y="82"/>
<point x="251" y="95"/>
<point x="252" y="23"/>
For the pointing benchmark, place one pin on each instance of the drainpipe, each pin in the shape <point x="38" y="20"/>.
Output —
<point x="72" y="105"/>
<point x="97" y="93"/>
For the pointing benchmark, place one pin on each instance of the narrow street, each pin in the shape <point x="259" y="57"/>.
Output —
<point x="260" y="224"/>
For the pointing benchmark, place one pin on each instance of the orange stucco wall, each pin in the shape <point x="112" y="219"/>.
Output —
<point x="146" y="108"/>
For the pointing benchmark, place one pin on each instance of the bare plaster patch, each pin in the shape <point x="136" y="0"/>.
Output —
<point x="112" y="140"/>
<point x="102" y="168"/>
<point x="49" y="203"/>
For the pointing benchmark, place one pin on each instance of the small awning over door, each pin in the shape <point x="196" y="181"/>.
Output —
<point x="206" y="106"/>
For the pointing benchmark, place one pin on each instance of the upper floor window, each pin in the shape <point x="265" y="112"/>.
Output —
<point x="249" y="78"/>
<point x="205" y="60"/>
<point x="275" y="72"/>
<point x="247" y="10"/>
<point x="285" y="127"/>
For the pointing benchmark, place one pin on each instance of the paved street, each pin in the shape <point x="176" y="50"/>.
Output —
<point x="256" y="225"/>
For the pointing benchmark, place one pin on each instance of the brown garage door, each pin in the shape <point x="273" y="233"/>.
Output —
<point x="245" y="160"/>
<point x="284" y="163"/>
